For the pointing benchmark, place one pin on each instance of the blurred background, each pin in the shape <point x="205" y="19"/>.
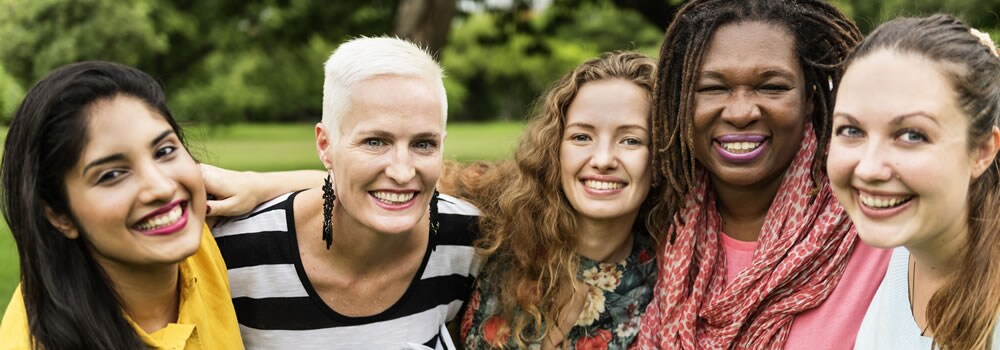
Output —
<point x="245" y="76"/>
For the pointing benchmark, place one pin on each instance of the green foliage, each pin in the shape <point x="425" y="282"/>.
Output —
<point x="502" y="60"/>
<point x="221" y="61"/>
<point x="982" y="14"/>
<point x="11" y="94"/>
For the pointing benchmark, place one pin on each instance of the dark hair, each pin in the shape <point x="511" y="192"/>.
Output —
<point x="823" y="39"/>
<point x="963" y="312"/>
<point x="69" y="300"/>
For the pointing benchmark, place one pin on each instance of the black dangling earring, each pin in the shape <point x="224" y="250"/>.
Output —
<point x="328" y="198"/>
<point x="435" y="223"/>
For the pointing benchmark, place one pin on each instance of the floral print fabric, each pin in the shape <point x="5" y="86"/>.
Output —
<point x="616" y="297"/>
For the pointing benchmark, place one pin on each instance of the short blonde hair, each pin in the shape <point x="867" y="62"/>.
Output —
<point x="363" y="58"/>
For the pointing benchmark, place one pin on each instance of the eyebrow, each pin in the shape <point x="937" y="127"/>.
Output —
<point x="626" y="126"/>
<point x="388" y="135"/>
<point x="767" y="73"/>
<point x="895" y="121"/>
<point x="119" y="157"/>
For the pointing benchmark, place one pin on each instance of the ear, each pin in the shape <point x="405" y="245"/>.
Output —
<point x="62" y="223"/>
<point x="323" y="143"/>
<point x="985" y="153"/>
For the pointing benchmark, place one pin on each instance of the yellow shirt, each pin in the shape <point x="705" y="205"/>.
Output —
<point x="205" y="320"/>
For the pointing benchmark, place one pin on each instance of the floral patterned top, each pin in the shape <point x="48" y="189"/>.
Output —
<point x="616" y="298"/>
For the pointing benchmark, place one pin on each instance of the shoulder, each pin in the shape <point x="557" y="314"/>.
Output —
<point x="268" y="216"/>
<point x="455" y="206"/>
<point x="14" y="326"/>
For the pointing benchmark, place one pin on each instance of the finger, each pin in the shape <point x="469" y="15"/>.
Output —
<point x="231" y="206"/>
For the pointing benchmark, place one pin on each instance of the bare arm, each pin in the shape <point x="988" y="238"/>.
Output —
<point x="235" y="193"/>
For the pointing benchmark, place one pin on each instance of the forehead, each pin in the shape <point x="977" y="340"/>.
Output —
<point x="611" y="102"/>
<point x="752" y="45"/>
<point x="391" y="103"/>
<point x="118" y="124"/>
<point x="887" y="82"/>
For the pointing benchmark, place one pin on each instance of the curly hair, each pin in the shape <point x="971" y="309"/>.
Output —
<point x="528" y="223"/>
<point x="823" y="39"/>
<point x="963" y="312"/>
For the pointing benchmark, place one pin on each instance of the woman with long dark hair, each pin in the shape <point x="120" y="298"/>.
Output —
<point x="107" y="209"/>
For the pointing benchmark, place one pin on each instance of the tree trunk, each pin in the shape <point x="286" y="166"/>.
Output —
<point x="425" y="22"/>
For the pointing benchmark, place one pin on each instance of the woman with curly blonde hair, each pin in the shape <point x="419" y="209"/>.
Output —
<point x="570" y="258"/>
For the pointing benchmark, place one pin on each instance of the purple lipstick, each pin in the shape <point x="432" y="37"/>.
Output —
<point x="740" y="148"/>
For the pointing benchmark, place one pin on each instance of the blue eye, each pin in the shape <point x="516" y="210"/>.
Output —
<point x="912" y="136"/>
<point x="631" y="141"/>
<point x="373" y="143"/>
<point x="849" y="131"/>
<point x="425" y="145"/>
<point x="579" y="137"/>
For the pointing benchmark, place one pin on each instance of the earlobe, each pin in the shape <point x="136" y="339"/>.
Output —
<point x="62" y="223"/>
<point x="986" y="153"/>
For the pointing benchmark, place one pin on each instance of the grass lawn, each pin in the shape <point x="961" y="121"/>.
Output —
<point x="285" y="147"/>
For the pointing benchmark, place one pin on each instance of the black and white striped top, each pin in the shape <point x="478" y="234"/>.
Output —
<point x="278" y="308"/>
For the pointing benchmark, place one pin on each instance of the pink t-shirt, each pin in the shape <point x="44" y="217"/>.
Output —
<point x="834" y="323"/>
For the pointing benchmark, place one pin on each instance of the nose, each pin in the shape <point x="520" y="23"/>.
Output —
<point x="401" y="169"/>
<point x="872" y="166"/>
<point x="157" y="185"/>
<point x="605" y="156"/>
<point x="741" y="109"/>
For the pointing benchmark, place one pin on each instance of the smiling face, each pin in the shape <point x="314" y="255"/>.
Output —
<point x="751" y="105"/>
<point x="136" y="194"/>
<point x="899" y="159"/>
<point x="388" y="156"/>
<point x="604" y="154"/>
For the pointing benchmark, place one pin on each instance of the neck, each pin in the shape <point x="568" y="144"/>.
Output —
<point x="149" y="295"/>
<point x="743" y="208"/>
<point x="363" y="250"/>
<point x="608" y="241"/>
<point x="937" y="258"/>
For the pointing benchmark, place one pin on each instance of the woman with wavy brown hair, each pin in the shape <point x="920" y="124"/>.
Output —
<point x="570" y="258"/>
<point x="914" y="161"/>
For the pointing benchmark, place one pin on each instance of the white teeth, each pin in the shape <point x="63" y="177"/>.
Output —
<point x="603" y="185"/>
<point x="740" y="147"/>
<point x="393" y="197"/>
<point x="882" y="202"/>
<point x="161" y="220"/>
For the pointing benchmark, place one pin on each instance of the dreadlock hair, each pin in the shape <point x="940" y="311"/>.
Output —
<point x="963" y="312"/>
<point x="528" y="224"/>
<point x="823" y="39"/>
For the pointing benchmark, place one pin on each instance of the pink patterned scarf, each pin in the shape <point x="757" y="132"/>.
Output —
<point x="802" y="251"/>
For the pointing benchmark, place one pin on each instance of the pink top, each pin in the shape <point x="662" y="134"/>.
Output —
<point x="834" y="323"/>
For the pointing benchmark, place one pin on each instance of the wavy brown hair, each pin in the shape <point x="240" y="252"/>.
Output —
<point x="963" y="312"/>
<point x="823" y="39"/>
<point x="529" y="227"/>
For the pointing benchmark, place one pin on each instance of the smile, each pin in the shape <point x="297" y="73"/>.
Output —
<point x="883" y="202"/>
<point x="740" y="147"/>
<point x="164" y="221"/>
<point x="393" y="197"/>
<point x="603" y="185"/>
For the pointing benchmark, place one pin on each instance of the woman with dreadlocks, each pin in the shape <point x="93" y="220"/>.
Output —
<point x="759" y="255"/>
